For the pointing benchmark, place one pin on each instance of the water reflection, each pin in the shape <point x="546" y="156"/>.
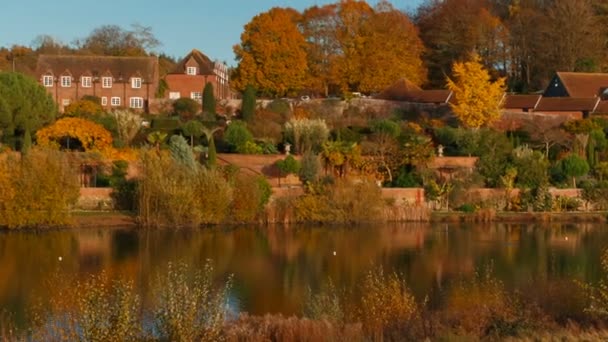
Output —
<point x="273" y="268"/>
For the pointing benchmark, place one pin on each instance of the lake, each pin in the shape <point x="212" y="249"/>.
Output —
<point x="274" y="268"/>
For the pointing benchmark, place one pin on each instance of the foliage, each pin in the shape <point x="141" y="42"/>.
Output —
<point x="289" y="165"/>
<point x="250" y="147"/>
<point x="37" y="189"/>
<point x="171" y="193"/>
<point x="190" y="307"/>
<point x="309" y="170"/>
<point x="24" y="105"/>
<point x="248" y="103"/>
<point x="156" y="138"/>
<point x="82" y="108"/>
<point x="494" y="152"/>
<point x="186" y="108"/>
<point x="237" y="135"/>
<point x="575" y="166"/>
<point x="112" y="40"/>
<point x="93" y="137"/>
<point x="271" y="54"/>
<point x="192" y="129"/>
<point x="181" y="152"/>
<point x="251" y="193"/>
<point x="478" y="99"/>
<point x="124" y="191"/>
<point x="339" y="155"/>
<point x="308" y="135"/>
<point x="531" y="168"/>
<point x="209" y="99"/>
<point x="128" y="124"/>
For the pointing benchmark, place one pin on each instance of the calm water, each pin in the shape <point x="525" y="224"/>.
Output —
<point x="273" y="268"/>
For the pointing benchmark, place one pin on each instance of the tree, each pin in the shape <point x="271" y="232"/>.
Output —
<point x="575" y="166"/>
<point x="24" y="105"/>
<point x="248" y="104"/>
<point x="478" y="99"/>
<point x="83" y="108"/>
<point x="209" y="99"/>
<point x="186" y="108"/>
<point x="272" y="54"/>
<point x="237" y="135"/>
<point x="86" y="134"/>
<point x="193" y="129"/>
<point x="289" y="165"/>
<point x="156" y="138"/>
<point x="390" y="38"/>
<point x="208" y="132"/>
<point x="112" y="40"/>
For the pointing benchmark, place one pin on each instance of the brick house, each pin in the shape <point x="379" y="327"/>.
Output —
<point x="120" y="82"/>
<point x="192" y="73"/>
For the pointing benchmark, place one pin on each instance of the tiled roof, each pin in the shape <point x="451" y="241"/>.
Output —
<point x="566" y="104"/>
<point x="582" y="84"/>
<point x="206" y="65"/>
<point x="119" y="67"/>
<point x="428" y="96"/>
<point x="521" y="101"/>
<point x="398" y="90"/>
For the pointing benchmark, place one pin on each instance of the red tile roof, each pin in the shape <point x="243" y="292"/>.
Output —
<point x="566" y="104"/>
<point x="206" y="65"/>
<point x="429" y="96"/>
<point x="582" y="84"/>
<point x="121" y="68"/>
<point x="398" y="90"/>
<point x="521" y="101"/>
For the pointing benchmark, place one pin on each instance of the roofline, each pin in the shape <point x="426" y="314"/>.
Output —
<point x="597" y="103"/>
<point x="540" y="97"/>
<point x="447" y="100"/>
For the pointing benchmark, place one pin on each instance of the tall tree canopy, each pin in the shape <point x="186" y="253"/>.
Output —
<point x="272" y="54"/>
<point x="113" y="40"/>
<point x="24" y="106"/>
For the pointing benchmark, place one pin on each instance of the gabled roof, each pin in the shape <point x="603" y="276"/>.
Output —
<point x="398" y="90"/>
<point x="206" y="65"/>
<point x="521" y="101"/>
<point x="428" y="96"/>
<point x="118" y="67"/>
<point x="583" y="84"/>
<point x="566" y="104"/>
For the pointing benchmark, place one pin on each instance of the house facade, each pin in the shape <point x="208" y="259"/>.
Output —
<point x="119" y="82"/>
<point x="192" y="73"/>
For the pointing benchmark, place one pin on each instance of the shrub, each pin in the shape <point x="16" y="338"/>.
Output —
<point x="249" y="147"/>
<point x="37" y="189"/>
<point x="307" y="135"/>
<point x="248" y="104"/>
<point x="309" y="170"/>
<point x="250" y="196"/>
<point x="123" y="190"/>
<point x="186" y="108"/>
<point x="237" y="135"/>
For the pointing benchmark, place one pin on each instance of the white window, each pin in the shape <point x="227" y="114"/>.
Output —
<point x="136" y="102"/>
<point x="86" y="81"/>
<point x="47" y="80"/>
<point x="135" y="82"/>
<point x="115" y="101"/>
<point x="106" y="82"/>
<point x="65" y="102"/>
<point x="174" y="95"/>
<point x="104" y="101"/>
<point x="196" y="95"/>
<point x="191" y="70"/>
<point x="66" y="81"/>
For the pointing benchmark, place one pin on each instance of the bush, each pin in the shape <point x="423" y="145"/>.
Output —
<point x="237" y="135"/>
<point x="186" y="108"/>
<point x="309" y="170"/>
<point x="124" y="190"/>
<point x="467" y="208"/>
<point x="250" y="196"/>
<point x="37" y="189"/>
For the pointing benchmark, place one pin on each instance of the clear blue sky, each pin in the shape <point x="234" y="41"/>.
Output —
<point x="212" y="26"/>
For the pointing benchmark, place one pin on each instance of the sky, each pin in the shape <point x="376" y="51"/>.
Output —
<point x="212" y="26"/>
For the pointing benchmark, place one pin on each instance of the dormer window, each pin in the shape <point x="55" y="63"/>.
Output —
<point x="136" y="82"/>
<point x="66" y="81"/>
<point x="47" y="80"/>
<point x="86" y="81"/>
<point x="191" y="70"/>
<point x="106" y="82"/>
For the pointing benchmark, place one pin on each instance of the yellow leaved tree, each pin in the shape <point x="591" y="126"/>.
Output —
<point x="477" y="99"/>
<point x="91" y="136"/>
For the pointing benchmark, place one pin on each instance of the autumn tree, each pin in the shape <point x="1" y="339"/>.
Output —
<point x="478" y="99"/>
<point x="113" y="40"/>
<point x="272" y="54"/>
<point x="390" y="38"/>
<point x="24" y="106"/>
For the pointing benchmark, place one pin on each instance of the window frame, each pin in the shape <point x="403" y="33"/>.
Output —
<point x="191" y="70"/>
<point x="104" y="100"/>
<point x="115" y="101"/>
<point x="86" y="81"/>
<point x="136" y="82"/>
<point x="66" y="81"/>
<point x="199" y="95"/>
<point x="139" y="102"/>
<point x="106" y="82"/>
<point x="174" y="95"/>
<point x="48" y="81"/>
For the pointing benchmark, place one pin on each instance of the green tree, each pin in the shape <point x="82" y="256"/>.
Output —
<point x="248" y="104"/>
<point x="532" y="167"/>
<point x="193" y="129"/>
<point x="156" y="139"/>
<point x="575" y="166"/>
<point x="208" y="132"/>
<point x="181" y="152"/>
<point x="237" y="135"/>
<point x="24" y="105"/>
<point x="309" y="170"/>
<point x="27" y="141"/>
<point x="186" y="108"/>
<point x="208" y="99"/>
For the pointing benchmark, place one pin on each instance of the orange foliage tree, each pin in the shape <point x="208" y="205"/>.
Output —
<point x="92" y="136"/>
<point x="272" y="54"/>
